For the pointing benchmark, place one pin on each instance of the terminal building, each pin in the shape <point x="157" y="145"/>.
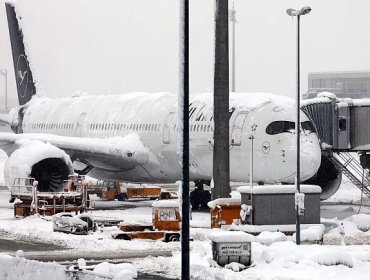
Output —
<point x="354" y="84"/>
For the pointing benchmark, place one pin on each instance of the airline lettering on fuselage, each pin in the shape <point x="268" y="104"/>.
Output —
<point x="198" y="112"/>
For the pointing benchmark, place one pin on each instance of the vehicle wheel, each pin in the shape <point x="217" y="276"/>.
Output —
<point x="122" y="237"/>
<point x="121" y="197"/>
<point x="165" y="195"/>
<point x="173" y="237"/>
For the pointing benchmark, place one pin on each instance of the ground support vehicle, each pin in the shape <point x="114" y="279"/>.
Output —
<point x="166" y="224"/>
<point x="28" y="201"/>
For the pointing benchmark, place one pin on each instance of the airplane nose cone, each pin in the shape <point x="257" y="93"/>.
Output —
<point x="310" y="158"/>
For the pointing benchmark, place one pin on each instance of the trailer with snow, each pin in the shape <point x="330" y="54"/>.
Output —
<point x="111" y="190"/>
<point x="165" y="225"/>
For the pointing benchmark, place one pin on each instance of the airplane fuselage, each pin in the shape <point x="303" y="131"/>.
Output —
<point x="155" y="118"/>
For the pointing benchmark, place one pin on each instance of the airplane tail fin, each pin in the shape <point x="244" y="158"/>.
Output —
<point x="23" y="75"/>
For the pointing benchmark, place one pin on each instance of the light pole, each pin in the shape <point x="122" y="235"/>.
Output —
<point x="298" y="13"/>
<point x="4" y="72"/>
<point x="233" y="20"/>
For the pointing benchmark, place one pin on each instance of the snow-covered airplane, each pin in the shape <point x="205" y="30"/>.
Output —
<point x="135" y="136"/>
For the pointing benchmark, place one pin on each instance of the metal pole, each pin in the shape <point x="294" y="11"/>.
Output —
<point x="233" y="20"/>
<point x="221" y="81"/>
<point x="298" y="178"/>
<point x="184" y="70"/>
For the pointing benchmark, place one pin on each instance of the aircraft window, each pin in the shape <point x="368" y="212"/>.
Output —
<point x="308" y="126"/>
<point x="278" y="127"/>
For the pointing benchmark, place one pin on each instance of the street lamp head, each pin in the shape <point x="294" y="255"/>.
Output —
<point x="292" y="12"/>
<point x="304" y="11"/>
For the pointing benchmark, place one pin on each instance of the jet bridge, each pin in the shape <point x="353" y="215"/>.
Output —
<point x="342" y="125"/>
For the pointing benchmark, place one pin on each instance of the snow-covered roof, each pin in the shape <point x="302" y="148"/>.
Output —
<point x="315" y="101"/>
<point x="230" y="236"/>
<point x="224" y="202"/>
<point x="267" y="189"/>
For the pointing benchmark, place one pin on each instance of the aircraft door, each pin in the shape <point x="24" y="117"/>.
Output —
<point x="78" y="131"/>
<point x="167" y="128"/>
<point x="344" y="128"/>
<point x="236" y="133"/>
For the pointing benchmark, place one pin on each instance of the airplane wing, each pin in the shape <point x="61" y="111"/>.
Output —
<point x="114" y="154"/>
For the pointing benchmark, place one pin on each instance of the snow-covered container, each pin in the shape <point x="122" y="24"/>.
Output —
<point x="275" y="204"/>
<point x="224" y="211"/>
<point x="231" y="246"/>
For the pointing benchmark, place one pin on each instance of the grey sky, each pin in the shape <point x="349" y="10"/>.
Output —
<point x="122" y="46"/>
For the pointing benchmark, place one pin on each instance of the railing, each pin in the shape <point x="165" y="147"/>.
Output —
<point x="353" y="170"/>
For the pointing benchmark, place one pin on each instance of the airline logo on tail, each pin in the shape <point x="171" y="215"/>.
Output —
<point x="22" y="75"/>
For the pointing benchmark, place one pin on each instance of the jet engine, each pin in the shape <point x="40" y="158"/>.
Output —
<point x="47" y="164"/>
<point x="328" y="177"/>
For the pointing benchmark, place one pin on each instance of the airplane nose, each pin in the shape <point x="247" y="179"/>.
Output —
<point x="310" y="158"/>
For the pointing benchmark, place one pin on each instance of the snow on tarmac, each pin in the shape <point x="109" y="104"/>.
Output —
<point x="274" y="256"/>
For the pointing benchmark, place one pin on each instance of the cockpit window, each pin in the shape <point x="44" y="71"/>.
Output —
<point x="278" y="127"/>
<point x="307" y="126"/>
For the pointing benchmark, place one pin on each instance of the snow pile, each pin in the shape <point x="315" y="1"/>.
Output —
<point x="330" y="256"/>
<point x="234" y="266"/>
<point x="362" y="221"/>
<point x="122" y="271"/>
<point x="314" y="233"/>
<point x="267" y="237"/>
<point x="352" y="230"/>
<point x="327" y="94"/>
<point x="20" y="268"/>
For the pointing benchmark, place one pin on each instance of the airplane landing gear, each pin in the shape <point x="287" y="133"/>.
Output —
<point x="199" y="197"/>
